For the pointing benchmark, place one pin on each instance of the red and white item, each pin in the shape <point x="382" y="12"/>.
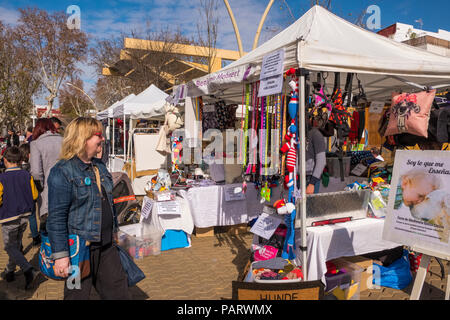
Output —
<point x="290" y="147"/>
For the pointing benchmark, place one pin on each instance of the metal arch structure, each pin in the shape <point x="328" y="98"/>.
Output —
<point x="258" y="31"/>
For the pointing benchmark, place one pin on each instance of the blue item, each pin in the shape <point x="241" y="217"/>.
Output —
<point x="77" y="206"/>
<point x="397" y="275"/>
<point x="33" y="223"/>
<point x="174" y="239"/>
<point x="134" y="274"/>
<point x="79" y="257"/>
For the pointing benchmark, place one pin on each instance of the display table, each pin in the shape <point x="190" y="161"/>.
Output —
<point x="341" y="240"/>
<point x="209" y="207"/>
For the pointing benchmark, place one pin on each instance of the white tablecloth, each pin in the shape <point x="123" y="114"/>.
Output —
<point x="341" y="240"/>
<point x="209" y="208"/>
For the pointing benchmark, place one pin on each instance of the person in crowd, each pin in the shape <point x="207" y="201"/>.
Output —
<point x="315" y="158"/>
<point x="25" y="164"/>
<point x="44" y="153"/>
<point x="81" y="203"/>
<point x="12" y="140"/>
<point x="376" y="153"/>
<point x="18" y="194"/>
<point x="29" y="134"/>
<point x="57" y="123"/>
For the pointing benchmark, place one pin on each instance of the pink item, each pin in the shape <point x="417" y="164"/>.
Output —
<point x="410" y="113"/>
<point x="266" y="253"/>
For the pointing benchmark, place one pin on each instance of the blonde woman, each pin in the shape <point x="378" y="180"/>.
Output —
<point x="76" y="206"/>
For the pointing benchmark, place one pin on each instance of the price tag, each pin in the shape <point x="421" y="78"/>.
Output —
<point x="234" y="194"/>
<point x="376" y="107"/>
<point x="169" y="208"/>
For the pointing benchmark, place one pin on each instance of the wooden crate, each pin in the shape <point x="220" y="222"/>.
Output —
<point x="204" y="232"/>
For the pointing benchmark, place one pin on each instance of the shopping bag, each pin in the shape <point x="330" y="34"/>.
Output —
<point x="79" y="251"/>
<point x="133" y="272"/>
<point x="397" y="275"/>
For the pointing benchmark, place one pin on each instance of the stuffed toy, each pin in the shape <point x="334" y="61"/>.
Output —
<point x="290" y="147"/>
<point x="283" y="207"/>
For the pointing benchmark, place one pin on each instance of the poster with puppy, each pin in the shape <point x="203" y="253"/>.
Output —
<point x="419" y="201"/>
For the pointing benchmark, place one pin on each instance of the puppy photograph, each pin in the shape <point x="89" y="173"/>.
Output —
<point x="428" y="200"/>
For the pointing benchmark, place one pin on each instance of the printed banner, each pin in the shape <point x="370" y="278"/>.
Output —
<point x="418" y="212"/>
<point x="211" y="83"/>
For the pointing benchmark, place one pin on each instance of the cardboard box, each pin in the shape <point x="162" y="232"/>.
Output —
<point x="367" y="274"/>
<point x="345" y="286"/>
<point x="303" y="290"/>
<point x="238" y="229"/>
<point x="204" y="232"/>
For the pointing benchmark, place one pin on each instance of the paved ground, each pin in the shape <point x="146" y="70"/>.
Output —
<point x="203" y="272"/>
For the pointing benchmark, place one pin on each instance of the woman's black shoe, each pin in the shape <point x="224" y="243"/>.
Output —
<point x="8" y="276"/>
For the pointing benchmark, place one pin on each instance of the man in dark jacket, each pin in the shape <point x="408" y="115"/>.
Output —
<point x="12" y="140"/>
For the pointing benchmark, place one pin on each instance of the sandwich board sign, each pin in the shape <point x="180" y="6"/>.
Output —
<point x="418" y="212"/>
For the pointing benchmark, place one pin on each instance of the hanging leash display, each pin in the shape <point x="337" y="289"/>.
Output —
<point x="245" y="132"/>
<point x="291" y="162"/>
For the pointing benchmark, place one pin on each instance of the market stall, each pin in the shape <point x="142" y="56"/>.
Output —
<point x="114" y="164"/>
<point x="318" y="52"/>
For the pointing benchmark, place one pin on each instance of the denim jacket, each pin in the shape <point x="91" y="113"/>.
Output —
<point x="75" y="205"/>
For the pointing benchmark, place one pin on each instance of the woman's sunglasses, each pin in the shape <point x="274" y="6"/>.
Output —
<point x="98" y="134"/>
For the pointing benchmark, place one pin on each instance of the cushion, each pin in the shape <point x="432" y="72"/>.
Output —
<point x="410" y="113"/>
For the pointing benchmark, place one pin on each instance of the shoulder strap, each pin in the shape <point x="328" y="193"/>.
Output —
<point x="97" y="178"/>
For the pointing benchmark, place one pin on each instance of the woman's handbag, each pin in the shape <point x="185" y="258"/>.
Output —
<point x="79" y="258"/>
<point x="133" y="272"/>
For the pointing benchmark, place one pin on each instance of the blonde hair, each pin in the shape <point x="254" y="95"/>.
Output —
<point x="76" y="134"/>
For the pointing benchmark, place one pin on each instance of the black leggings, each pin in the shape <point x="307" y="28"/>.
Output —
<point x="107" y="277"/>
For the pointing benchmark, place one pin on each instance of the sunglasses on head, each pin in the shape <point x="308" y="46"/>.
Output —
<point x="98" y="134"/>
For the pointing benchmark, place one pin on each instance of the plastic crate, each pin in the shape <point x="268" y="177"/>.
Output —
<point x="347" y="285"/>
<point x="139" y="246"/>
<point x="250" y="278"/>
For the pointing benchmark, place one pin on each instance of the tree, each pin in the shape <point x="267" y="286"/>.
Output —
<point x="207" y="29"/>
<point x="143" y="67"/>
<point x="73" y="102"/>
<point x="18" y="84"/>
<point x="105" y="53"/>
<point x="55" y="48"/>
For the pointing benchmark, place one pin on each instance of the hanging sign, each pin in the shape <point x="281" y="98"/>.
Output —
<point x="266" y="225"/>
<point x="272" y="64"/>
<point x="418" y="212"/>
<point x="376" y="107"/>
<point x="147" y="207"/>
<point x="271" y="86"/>
<point x="233" y="194"/>
<point x="168" y="207"/>
<point x="272" y="74"/>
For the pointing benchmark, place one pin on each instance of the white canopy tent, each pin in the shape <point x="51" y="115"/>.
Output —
<point x="150" y="103"/>
<point x="109" y="112"/>
<point x="323" y="42"/>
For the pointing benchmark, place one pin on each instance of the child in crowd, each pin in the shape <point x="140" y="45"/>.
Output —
<point x="18" y="194"/>
<point x="25" y="165"/>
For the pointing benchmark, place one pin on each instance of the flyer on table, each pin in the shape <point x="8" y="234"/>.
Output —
<point x="419" y="201"/>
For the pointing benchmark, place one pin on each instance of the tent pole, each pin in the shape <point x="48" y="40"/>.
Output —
<point x="302" y="157"/>
<point x="109" y="138"/>
<point x="113" y="141"/>
<point x="124" y="137"/>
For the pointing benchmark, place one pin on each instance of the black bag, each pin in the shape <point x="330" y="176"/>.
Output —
<point x="131" y="269"/>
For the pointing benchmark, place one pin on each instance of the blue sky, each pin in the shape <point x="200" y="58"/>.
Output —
<point x="103" y="19"/>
